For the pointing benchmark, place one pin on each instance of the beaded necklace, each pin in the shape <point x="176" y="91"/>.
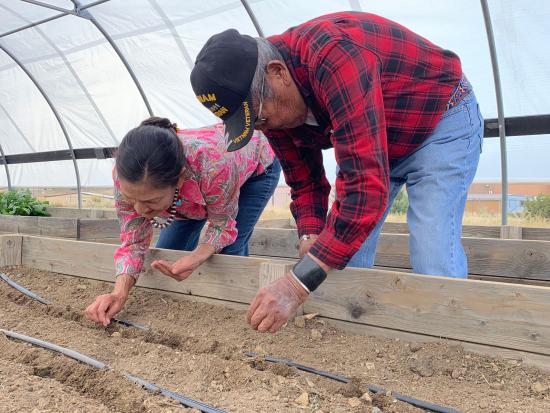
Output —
<point x="170" y="218"/>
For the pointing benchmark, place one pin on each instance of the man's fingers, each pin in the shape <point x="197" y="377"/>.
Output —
<point x="258" y="316"/>
<point x="254" y="305"/>
<point x="276" y="326"/>
<point x="266" y="323"/>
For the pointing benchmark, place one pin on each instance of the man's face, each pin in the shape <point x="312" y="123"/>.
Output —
<point x="284" y="107"/>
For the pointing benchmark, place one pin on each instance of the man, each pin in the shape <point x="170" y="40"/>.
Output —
<point x="396" y="109"/>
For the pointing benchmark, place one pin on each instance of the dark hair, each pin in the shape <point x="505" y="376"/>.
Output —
<point x="152" y="152"/>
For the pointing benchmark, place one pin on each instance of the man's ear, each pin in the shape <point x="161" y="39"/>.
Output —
<point x="278" y="69"/>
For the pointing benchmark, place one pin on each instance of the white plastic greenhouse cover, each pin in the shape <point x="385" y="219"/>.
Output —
<point x="65" y="74"/>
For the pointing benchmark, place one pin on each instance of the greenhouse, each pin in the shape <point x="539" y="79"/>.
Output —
<point x="387" y="330"/>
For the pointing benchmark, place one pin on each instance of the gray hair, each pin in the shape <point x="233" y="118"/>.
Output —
<point x="266" y="53"/>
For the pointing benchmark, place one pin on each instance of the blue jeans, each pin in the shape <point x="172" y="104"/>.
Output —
<point x="254" y="195"/>
<point x="437" y="176"/>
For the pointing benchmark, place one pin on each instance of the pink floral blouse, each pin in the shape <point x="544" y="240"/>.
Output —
<point x="211" y="190"/>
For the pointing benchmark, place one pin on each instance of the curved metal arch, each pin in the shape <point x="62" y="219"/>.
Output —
<point x="500" y="109"/>
<point x="355" y="5"/>
<point x="57" y="116"/>
<point x="3" y="157"/>
<point x="71" y="69"/>
<point x="172" y="28"/>
<point x="80" y="12"/>
<point x="17" y="128"/>
<point x="252" y="16"/>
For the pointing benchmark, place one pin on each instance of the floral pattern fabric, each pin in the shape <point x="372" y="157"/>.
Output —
<point x="210" y="191"/>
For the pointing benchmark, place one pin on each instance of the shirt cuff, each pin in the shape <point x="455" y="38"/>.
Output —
<point x="331" y="251"/>
<point x="125" y="268"/>
<point x="310" y="225"/>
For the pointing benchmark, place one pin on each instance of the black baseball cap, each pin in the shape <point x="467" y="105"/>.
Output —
<point x="221" y="79"/>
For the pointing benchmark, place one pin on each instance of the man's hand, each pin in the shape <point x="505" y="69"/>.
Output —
<point x="179" y="270"/>
<point x="275" y="304"/>
<point x="305" y="245"/>
<point x="105" y="307"/>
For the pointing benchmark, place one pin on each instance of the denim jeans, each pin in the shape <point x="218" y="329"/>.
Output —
<point x="437" y="177"/>
<point x="254" y="195"/>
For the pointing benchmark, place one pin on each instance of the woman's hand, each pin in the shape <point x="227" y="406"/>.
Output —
<point x="106" y="306"/>
<point x="184" y="267"/>
<point x="179" y="270"/>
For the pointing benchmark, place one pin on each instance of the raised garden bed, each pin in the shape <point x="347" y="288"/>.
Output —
<point x="82" y="224"/>
<point x="197" y="347"/>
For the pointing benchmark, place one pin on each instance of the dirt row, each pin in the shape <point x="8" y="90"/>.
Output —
<point x="197" y="349"/>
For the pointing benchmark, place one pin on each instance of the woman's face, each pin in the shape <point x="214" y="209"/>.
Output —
<point x="148" y="201"/>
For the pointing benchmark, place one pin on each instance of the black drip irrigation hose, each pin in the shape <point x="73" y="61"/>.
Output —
<point x="343" y="379"/>
<point x="184" y="400"/>
<point x="41" y="300"/>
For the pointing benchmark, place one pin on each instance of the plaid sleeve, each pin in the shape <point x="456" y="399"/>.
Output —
<point x="305" y="175"/>
<point x="346" y="80"/>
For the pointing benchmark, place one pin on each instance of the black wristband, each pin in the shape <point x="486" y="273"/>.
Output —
<point x="309" y="273"/>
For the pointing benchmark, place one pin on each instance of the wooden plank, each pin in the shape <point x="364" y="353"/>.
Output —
<point x="480" y="312"/>
<point x="491" y="257"/>
<point x="488" y="257"/>
<point x="222" y="277"/>
<point x="510" y="232"/>
<point x="470" y="231"/>
<point x="274" y="242"/>
<point x="91" y="229"/>
<point x="64" y="212"/>
<point x="541" y="234"/>
<point x="48" y="226"/>
<point x="537" y="360"/>
<point x="10" y="250"/>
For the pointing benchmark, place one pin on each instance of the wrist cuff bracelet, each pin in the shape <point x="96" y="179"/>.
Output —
<point x="309" y="273"/>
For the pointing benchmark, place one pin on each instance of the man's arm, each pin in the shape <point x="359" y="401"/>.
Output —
<point x="305" y="175"/>
<point x="346" y="80"/>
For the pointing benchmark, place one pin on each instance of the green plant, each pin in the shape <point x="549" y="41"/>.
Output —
<point x="400" y="204"/>
<point x="21" y="203"/>
<point x="538" y="206"/>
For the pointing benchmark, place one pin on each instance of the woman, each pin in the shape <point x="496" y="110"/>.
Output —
<point x="178" y="180"/>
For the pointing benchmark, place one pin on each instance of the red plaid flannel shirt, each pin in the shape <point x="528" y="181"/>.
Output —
<point x="377" y="91"/>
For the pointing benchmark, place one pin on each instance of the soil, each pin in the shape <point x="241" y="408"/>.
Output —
<point x="197" y="349"/>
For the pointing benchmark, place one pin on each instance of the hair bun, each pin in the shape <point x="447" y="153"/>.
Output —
<point x="160" y="122"/>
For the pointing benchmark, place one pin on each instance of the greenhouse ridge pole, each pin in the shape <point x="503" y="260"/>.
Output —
<point x="253" y="18"/>
<point x="57" y="116"/>
<point x="500" y="109"/>
<point x="80" y="12"/>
